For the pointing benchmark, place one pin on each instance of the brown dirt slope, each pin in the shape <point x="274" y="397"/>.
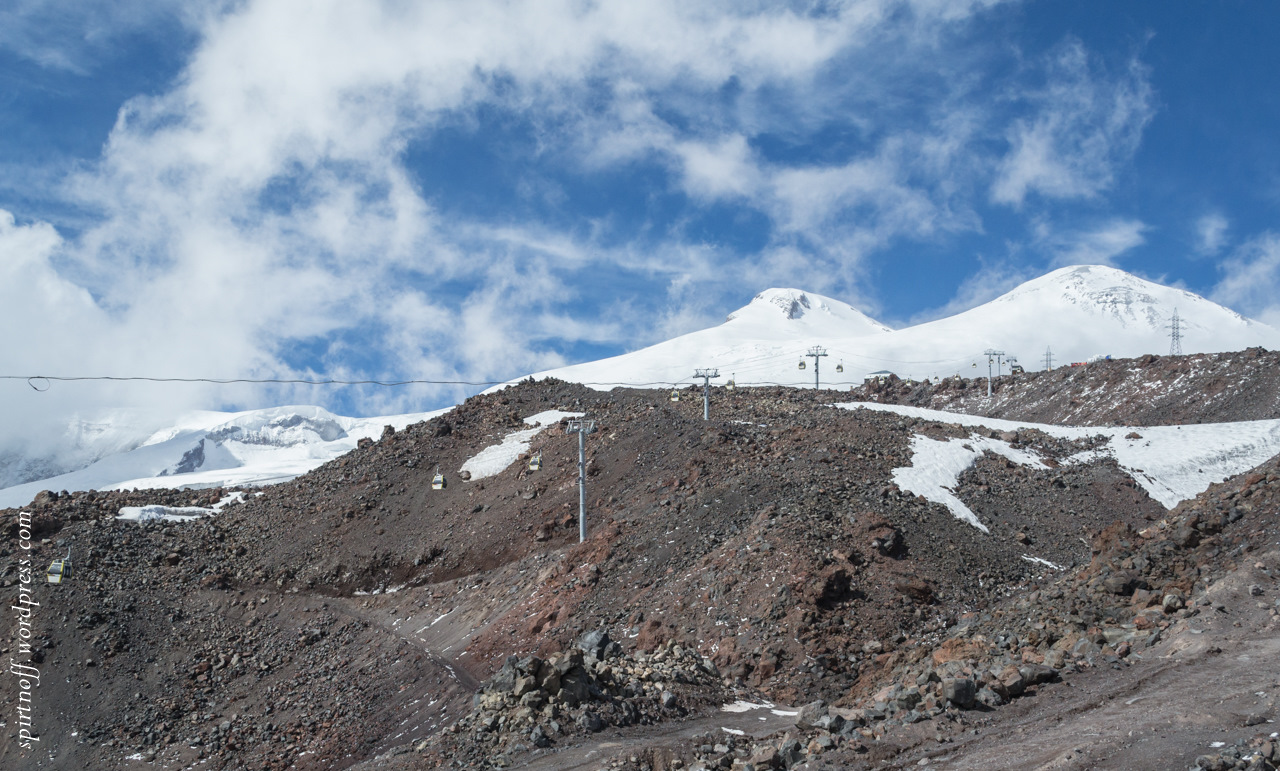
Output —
<point x="1152" y="390"/>
<point x="330" y="620"/>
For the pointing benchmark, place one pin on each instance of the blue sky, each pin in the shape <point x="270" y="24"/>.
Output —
<point x="481" y="189"/>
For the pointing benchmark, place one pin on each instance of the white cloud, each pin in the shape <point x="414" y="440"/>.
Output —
<point x="262" y="203"/>
<point x="326" y="109"/>
<point x="724" y="168"/>
<point x="1085" y="125"/>
<point x="1099" y="245"/>
<point x="1251" y="279"/>
<point x="1211" y="233"/>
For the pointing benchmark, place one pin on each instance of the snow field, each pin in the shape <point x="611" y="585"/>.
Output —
<point x="1172" y="463"/>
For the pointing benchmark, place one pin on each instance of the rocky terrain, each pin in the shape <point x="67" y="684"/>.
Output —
<point x="357" y="618"/>
<point x="1150" y="391"/>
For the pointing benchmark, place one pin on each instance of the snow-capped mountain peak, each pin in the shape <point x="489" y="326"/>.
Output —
<point x="1079" y="312"/>
<point x="1117" y="296"/>
<point x="812" y="310"/>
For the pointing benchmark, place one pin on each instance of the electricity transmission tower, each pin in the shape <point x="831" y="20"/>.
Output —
<point x="706" y="375"/>
<point x="991" y="354"/>
<point x="1048" y="357"/>
<point x="817" y="352"/>
<point x="1175" y="335"/>
<point x="582" y="428"/>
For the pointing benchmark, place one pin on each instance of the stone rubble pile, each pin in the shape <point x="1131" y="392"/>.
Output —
<point x="535" y="702"/>
<point x="1261" y="753"/>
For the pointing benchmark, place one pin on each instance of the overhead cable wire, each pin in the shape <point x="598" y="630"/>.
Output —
<point x="760" y="363"/>
<point x="35" y="380"/>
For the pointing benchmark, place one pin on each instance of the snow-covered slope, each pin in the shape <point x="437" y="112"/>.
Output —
<point x="215" y="449"/>
<point x="1080" y="312"/>
<point x="83" y="440"/>
<point x="754" y="343"/>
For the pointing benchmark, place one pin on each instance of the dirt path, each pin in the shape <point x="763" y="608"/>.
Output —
<point x="1214" y="674"/>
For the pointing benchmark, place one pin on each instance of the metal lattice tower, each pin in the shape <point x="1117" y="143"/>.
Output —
<point x="582" y="428"/>
<point x="1175" y="335"/>
<point x="706" y="375"/>
<point x="1048" y="357"/>
<point x="817" y="352"/>
<point x="991" y="355"/>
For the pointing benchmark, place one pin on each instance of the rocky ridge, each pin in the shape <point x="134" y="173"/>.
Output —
<point x="1151" y="390"/>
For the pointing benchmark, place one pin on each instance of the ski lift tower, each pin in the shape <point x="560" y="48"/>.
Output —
<point x="706" y="375"/>
<point x="817" y="352"/>
<point x="582" y="428"/>
<point x="991" y="357"/>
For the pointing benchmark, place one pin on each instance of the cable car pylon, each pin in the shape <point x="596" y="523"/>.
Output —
<point x="582" y="428"/>
<point x="817" y="352"/>
<point x="706" y="375"/>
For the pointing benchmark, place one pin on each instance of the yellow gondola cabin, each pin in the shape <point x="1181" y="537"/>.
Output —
<point x="59" y="569"/>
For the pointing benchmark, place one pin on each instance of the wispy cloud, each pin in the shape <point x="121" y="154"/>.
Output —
<point x="264" y="214"/>
<point x="1251" y="279"/>
<point x="1085" y="124"/>
<point x="1211" y="233"/>
<point x="1097" y="245"/>
<point x="72" y="35"/>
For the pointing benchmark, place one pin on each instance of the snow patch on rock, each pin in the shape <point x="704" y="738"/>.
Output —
<point x="495" y="459"/>
<point x="175" y="513"/>
<point x="1172" y="463"/>
<point x="936" y="466"/>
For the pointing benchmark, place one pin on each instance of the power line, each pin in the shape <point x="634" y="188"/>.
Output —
<point x="34" y="380"/>
<point x="762" y="363"/>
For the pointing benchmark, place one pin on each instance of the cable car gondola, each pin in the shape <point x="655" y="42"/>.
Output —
<point x="802" y="366"/>
<point x="675" y="395"/>
<point x="535" y="463"/>
<point x="840" y="367"/>
<point x="731" y="384"/>
<point x="437" y="481"/>
<point x="59" y="569"/>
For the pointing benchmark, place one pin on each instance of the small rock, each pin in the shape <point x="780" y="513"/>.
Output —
<point x="809" y="714"/>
